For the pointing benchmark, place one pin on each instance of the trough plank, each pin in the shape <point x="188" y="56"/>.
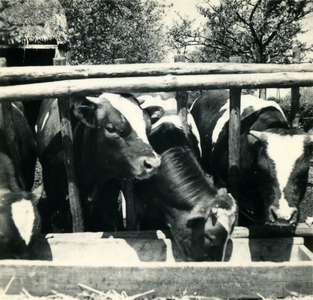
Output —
<point x="126" y="250"/>
<point x="302" y="230"/>
<point x="225" y="280"/>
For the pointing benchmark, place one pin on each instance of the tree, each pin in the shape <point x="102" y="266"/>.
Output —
<point x="103" y="30"/>
<point x="260" y="31"/>
<point x="305" y="110"/>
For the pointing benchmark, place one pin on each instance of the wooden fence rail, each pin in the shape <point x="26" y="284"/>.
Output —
<point x="56" y="73"/>
<point x="154" y="84"/>
<point x="65" y="81"/>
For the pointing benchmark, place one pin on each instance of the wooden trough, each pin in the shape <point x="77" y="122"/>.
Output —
<point x="136" y="262"/>
<point x="255" y="261"/>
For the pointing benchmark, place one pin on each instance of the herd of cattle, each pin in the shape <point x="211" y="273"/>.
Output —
<point x="180" y="178"/>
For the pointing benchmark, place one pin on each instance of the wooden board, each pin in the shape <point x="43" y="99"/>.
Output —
<point x="142" y="261"/>
<point x="224" y="280"/>
<point x="95" y="251"/>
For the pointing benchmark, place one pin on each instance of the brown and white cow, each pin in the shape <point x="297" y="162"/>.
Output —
<point x="274" y="159"/>
<point x="110" y="144"/>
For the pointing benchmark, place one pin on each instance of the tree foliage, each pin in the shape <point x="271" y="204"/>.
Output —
<point x="103" y="30"/>
<point x="305" y="112"/>
<point x="260" y="31"/>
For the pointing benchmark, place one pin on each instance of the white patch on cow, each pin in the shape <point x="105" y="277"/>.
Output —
<point x="14" y="105"/>
<point x="193" y="103"/>
<point x="169" y="105"/>
<point x="23" y="217"/>
<point x="194" y="129"/>
<point x="220" y="123"/>
<point x="247" y="101"/>
<point x="174" y="119"/>
<point x="45" y="121"/>
<point x="284" y="150"/>
<point x="226" y="217"/>
<point x="131" y="112"/>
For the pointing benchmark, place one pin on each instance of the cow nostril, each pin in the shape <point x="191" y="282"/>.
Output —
<point x="293" y="217"/>
<point x="273" y="216"/>
<point x="147" y="165"/>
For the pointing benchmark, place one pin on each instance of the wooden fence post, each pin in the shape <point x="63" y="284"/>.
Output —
<point x="295" y="94"/>
<point x="197" y="234"/>
<point x="234" y="138"/>
<point x="3" y="62"/>
<point x="11" y="137"/>
<point x="182" y="97"/>
<point x="235" y="59"/>
<point x="234" y="141"/>
<point x="67" y="140"/>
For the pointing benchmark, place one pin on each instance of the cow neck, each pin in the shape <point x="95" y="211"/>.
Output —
<point x="85" y="154"/>
<point x="184" y="177"/>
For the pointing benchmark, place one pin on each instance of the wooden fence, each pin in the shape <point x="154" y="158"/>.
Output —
<point x="208" y="279"/>
<point x="31" y="83"/>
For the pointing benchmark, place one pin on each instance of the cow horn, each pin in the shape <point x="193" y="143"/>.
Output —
<point x="259" y="135"/>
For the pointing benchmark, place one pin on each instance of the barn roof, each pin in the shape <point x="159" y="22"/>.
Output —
<point x="32" y="22"/>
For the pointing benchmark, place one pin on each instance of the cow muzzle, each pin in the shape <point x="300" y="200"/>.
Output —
<point x="147" y="166"/>
<point x="283" y="217"/>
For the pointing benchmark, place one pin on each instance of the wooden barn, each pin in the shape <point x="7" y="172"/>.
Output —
<point x="32" y="31"/>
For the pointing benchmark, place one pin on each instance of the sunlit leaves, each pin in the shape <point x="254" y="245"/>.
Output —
<point x="257" y="30"/>
<point x="104" y="30"/>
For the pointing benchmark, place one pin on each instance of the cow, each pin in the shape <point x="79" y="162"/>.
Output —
<point x="274" y="159"/>
<point x="181" y="196"/>
<point x="19" y="218"/>
<point x="110" y="143"/>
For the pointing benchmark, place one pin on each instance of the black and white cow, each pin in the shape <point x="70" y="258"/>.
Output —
<point x="19" y="218"/>
<point x="274" y="159"/>
<point x="181" y="196"/>
<point x="110" y="143"/>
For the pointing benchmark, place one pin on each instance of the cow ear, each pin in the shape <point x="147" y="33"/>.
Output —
<point x="255" y="136"/>
<point x="155" y="113"/>
<point x="197" y="222"/>
<point x="197" y="216"/>
<point x="222" y="192"/>
<point x="86" y="112"/>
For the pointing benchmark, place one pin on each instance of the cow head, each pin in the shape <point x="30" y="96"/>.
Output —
<point x="282" y="165"/>
<point x="19" y="223"/>
<point x="120" y="129"/>
<point x="208" y="227"/>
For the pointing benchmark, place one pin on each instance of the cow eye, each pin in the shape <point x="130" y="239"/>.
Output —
<point x="110" y="128"/>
